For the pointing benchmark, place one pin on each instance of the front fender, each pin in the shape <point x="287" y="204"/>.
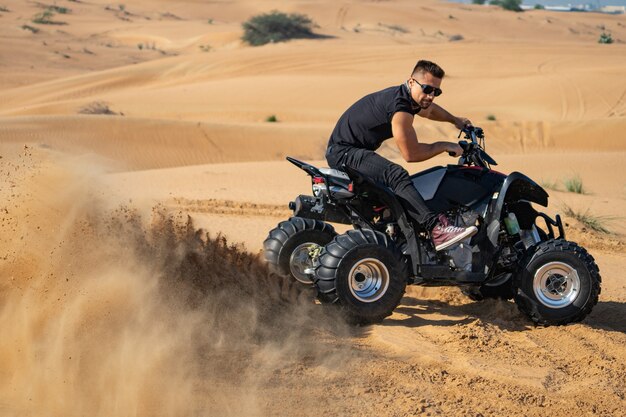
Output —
<point x="516" y="187"/>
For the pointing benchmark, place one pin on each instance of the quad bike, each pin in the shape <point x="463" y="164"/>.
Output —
<point x="518" y="253"/>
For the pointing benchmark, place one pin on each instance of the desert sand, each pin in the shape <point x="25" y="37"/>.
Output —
<point x="113" y="302"/>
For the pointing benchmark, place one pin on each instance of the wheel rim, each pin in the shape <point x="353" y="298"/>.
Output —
<point x="368" y="280"/>
<point x="556" y="284"/>
<point x="300" y="261"/>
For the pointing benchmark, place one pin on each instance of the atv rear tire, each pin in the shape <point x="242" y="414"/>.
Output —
<point x="287" y="246"/>
<point x="364" y="273"/>
<point x="558" y="283"/>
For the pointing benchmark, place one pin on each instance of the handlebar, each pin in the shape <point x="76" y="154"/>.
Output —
<point x="473" y="147"/>
<point x="473" y="133"/>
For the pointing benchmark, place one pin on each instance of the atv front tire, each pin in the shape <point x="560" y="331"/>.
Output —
<point x="287" y="246"/>
<point x="501" y="291"/>
<point x="364" y="273"/>
<point x="558" y="283"/>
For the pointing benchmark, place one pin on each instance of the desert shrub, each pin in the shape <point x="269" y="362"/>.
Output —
<point x="586" y="218"/>
<point x="549" y="184"/>
<point x="539" y="6"/>
<point x="455" y="38"/>
<point x="4" y="9"/>
<point x="205" y="48"/>
<point x="45" y="18"/>
<point x="168" y="15"/>
<point x="478" y="1"/>
<point x="97" y="107"/>
<point x="276" y="27"/>
<point x="31" y="28"/>
<point x="513" y="5"/>
<point x="605" y="38"/>
<point x="491" y="117"/>
<point x="394" y="28"/>
<point x="574" y="184"/>
<point x="60" y="10"/>
<point x="271" y="119"/>
<point x="150" y="46"/>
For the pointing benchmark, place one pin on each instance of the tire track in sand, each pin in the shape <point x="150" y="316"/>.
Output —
<point x="567" y="87"/>
<point x="616" y="107"/>
<point x="230" y="207"/>
<point x="341" y="15"/>
<point x="488" y="347"/>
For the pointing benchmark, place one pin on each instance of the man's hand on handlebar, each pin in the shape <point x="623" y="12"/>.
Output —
<point x="454" y="149"/>
<point x="462" y="122"/>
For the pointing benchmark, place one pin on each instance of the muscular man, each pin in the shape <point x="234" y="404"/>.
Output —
<point x="389" y="113"/>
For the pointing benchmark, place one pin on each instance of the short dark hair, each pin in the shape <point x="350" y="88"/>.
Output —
<point x="430" y="67"/>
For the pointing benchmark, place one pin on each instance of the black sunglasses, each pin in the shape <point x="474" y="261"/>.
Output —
<point x="429" y="89"/>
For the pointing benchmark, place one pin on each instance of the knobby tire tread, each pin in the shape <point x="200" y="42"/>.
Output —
<point x="527" y="306"/>
<point x="286" y="230"/>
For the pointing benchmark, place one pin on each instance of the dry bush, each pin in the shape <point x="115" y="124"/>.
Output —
<point x="550" y="185"/>
<point x="586" y="218"/>
<point x="574" y="184"/>
<point x="276" y="27"/>
<point x="45" y="18"/>
<point x="30" y="28"/>
<point x="97" y="107"/>
<point x="394" y="28"/>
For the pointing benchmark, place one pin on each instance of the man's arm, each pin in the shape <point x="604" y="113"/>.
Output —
<point x="410" y="148"/>
<point x="439" y="114"/>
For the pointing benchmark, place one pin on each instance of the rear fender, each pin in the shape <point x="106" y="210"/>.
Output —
<point x="313" y="172"/>
<point x="364" y="184"/>
<point x="308" y="168"/>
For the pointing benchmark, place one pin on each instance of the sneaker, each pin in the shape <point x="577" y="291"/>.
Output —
<point x="445" y="235"/>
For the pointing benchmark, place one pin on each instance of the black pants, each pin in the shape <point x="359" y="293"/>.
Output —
<point x="385" y="172"/>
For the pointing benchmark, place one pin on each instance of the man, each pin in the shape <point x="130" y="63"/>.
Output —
<point x="389" y="113"/>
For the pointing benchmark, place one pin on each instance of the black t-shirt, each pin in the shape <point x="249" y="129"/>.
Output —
<point x="367" y="123"/>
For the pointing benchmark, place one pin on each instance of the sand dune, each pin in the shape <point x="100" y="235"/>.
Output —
<point x="236" y="91"/>
<point x="150" y="143"/>
<point x="112" y="303"/>
<point x="540" y="87"/>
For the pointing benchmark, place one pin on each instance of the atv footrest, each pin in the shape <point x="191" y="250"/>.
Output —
<point x="444" y="273"/>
